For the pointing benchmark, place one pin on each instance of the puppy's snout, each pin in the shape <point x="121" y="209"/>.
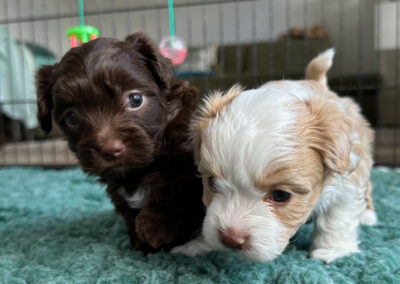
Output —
<point x="114" y="148"/>
<point x="233" y="239"/>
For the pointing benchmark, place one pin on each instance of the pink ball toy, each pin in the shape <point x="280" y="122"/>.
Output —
<point x="174" y="49"/>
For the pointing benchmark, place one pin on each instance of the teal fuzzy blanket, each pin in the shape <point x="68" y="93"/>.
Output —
<point x="58" y="226"/>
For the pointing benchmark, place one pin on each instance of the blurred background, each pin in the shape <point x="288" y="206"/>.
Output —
<point x="246" y="41"/>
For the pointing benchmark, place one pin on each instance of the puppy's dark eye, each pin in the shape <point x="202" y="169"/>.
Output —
<point x="71" y="118"/>
<point x="280" y="195"/>
<point x="212" y="182"/>
<point x="135" y="100"/>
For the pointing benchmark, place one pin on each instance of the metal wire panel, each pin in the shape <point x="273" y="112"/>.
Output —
<point x="246" y="41"/>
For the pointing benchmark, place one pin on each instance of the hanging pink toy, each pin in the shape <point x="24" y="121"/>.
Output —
<point x="173" y="47"/>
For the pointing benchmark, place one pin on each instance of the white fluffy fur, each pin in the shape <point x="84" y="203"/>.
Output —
<point x="255" y="131"/>
<point x="256" y="128"/>
<point x="337" y="216"/>
<point x="259" y="132"/>
<point x="135" y="201"/>
<point x="368" y="218"/>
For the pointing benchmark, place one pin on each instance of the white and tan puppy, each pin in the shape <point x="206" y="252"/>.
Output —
<point x="272" y="157"/>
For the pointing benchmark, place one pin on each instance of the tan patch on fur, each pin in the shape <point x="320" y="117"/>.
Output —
<point x="368" y="197"/>
<point x="346" y="132"/>
<point x="327" y="127"/>
<point x="327" y="131"/>
<point x="302" y="176"/>
<point x="213" y="104"/>
<point x="318" y="67"/>
<point x="315" y="72"/>
<point x="349" y="133"/>
<point x="216" y="102"/>
<point x="362" y="145"/>
<point x="360" y="139"/>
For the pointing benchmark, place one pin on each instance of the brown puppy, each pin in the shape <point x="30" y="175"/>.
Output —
<point x="127" y="120"/>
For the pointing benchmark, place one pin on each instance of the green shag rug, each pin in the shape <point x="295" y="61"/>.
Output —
<point x="58" y="226"/>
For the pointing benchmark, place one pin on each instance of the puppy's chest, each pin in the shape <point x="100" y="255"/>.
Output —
<point x="136" y="193"/>
<point x="136" y="200"/>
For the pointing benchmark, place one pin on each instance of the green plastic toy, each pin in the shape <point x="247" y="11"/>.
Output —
<point x="81" y="34"/>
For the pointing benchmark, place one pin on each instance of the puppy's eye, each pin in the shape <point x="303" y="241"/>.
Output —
<point x="71" y="118"/>
<point x="212" y="182"/>
<point x="280" y="195"/>
<point x="135" y="100"/>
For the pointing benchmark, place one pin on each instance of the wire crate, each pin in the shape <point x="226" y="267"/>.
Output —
<point x="245" y="41"/>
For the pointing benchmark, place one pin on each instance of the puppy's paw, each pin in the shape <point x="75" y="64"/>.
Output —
<point x="194" y="247"/>
<point x="328" y="255"/>
<point x="368" y="217"/>
<point x="155" y="230"/>
<point x="145" y="248"/>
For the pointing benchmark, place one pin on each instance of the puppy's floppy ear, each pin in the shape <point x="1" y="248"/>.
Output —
<point x="211" y="106"/>
<point x="330" y="134"/>
<point x="44" y="84"/>
<point x="160" y="67"/>
<point x="181" y="102"/>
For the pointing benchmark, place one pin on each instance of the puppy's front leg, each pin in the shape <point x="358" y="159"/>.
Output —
<point x="335" y="232"/>
<point x="136" y="243"/>
<point x="194" y="247"/>
<point x="156" y="226"/>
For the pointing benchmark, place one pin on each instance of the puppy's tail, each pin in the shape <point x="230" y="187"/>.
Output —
<point x="319" y="66"/>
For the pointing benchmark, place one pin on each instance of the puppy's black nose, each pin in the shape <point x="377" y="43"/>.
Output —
<point x="233" y="239"/>
<point x="114" y="148"/>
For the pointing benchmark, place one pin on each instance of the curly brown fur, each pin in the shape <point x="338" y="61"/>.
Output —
<point x="155" y="155"/>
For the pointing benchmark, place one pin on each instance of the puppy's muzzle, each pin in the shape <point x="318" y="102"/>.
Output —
<point x="233" y="239"/>
<point x="113" y="148"/>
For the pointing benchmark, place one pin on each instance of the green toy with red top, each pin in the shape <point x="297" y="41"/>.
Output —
<point x="81" y="34"/>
